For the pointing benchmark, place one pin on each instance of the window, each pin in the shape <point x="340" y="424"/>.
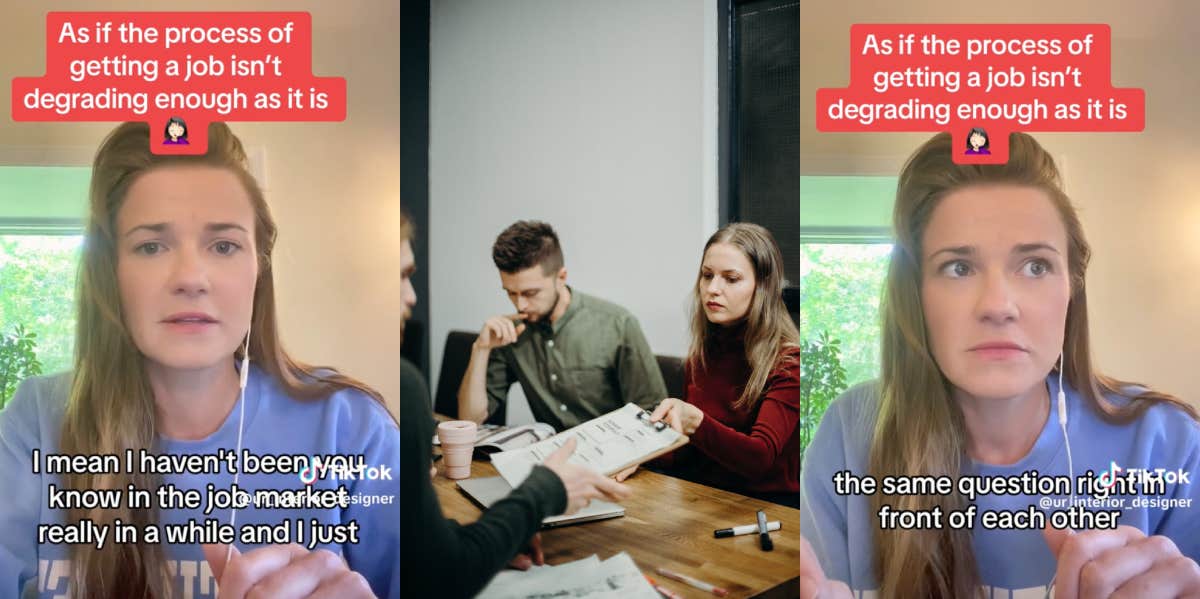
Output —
<point x="845" y="243"/>
<point x="762" y="122"/>
<point x="41" y="226"/>
<point x="37" y="291"/>
<point x="840" y="287"/>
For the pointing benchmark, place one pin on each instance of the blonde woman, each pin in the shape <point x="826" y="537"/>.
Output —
<point x="987" y="371"/>
<point x="175" y="286"/>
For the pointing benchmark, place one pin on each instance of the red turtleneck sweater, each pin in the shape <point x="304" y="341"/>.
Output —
<point x="759" y="449"/>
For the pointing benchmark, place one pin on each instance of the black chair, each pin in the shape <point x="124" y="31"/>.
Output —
<point x="791" y="299"/>
<point x="672" y="373"/>
<point x="455" y="358"/>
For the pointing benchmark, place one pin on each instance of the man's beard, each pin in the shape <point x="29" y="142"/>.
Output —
<point x="545" y="317"/>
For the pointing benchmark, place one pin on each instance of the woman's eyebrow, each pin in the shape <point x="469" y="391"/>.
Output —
<point x="958" y="250"/>
<point x="726" y="271"/>
<point x="1024" y="248"/>
<point x="217" y="227"/>
<point x="1020" y="248"/>
<point x="155" y="228"/>
<point x="210" y="227"/>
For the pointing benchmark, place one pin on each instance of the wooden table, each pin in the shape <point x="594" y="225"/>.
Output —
<point x="669" y="522"/>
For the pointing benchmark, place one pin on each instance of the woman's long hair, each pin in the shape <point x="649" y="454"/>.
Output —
<point x="111" y="407"/>
<point x="920" y="428"/>
<point x="769" y="331"/>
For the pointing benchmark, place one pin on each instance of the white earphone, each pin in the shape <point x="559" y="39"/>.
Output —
<point x="1062" y="422"/>
<point x="243" y="376"/>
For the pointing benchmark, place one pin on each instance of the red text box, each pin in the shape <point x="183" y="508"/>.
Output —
<point x="199" y="67"/>
<point x="995" y="78"/>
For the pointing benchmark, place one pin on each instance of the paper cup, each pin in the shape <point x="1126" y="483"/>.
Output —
<point x="458" y="443"/>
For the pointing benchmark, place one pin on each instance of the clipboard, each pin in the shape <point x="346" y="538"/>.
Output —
<point x="644" y="417"/>
<point x="607" y="444"/>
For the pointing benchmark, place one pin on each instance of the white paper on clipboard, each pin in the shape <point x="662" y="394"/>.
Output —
<point x="608" y="444"/>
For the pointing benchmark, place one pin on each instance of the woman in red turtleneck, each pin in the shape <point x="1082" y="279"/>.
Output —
<point x="741" y="402"/>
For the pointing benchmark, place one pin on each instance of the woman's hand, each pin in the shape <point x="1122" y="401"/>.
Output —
<point x="813" y="584"/>
<point x="583" y="484"/>
<point x="1122" y="563"/>
<point x="284" y="572"/>
<point x="680" y="415"/>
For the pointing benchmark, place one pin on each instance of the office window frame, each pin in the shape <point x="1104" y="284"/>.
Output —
<point x="730" y="203"/>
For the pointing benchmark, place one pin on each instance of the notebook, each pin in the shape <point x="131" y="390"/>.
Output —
<point x="487" y="491"/>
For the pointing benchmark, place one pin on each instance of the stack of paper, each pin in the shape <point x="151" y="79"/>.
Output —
<point x="614" y="578"/>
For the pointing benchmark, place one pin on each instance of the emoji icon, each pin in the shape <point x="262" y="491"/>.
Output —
<point x="175" y="133"/>
<point x="977" y="142"/>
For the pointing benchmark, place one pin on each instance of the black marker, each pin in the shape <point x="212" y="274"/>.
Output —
<point x="744" y="529"/>
<point x="764" y="538"/>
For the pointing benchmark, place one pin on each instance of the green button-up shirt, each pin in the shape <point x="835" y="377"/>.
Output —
<point x="591" y="361"/>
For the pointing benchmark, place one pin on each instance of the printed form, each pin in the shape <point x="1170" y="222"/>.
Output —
<point x="607" y="444"/>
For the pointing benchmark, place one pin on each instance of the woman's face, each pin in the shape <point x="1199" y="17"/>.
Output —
<point x="186" y="264"/>
<point x="995" y="288"/>
<point x="977" y="140"/>
<point x="726" y="284"/>
<point x="175" y="129"/>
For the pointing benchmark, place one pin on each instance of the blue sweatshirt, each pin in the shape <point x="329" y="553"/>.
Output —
<point x="1012" y="563"/>
<point x="347" y="423"/>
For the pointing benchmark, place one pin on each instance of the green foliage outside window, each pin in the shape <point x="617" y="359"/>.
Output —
<point x="822" y="379"/>
<point x="840" y="287"/>
<point x="18" y="360"/>
<point x="37" y="292"/>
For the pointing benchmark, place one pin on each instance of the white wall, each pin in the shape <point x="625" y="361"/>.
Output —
<point x="597" y="117"/>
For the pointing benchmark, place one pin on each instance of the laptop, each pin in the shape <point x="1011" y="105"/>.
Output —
<point x="488" y="490"/>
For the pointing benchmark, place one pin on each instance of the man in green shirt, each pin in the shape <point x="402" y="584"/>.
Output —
<point x="576" y="356"/>
<point x="441" y="557"/>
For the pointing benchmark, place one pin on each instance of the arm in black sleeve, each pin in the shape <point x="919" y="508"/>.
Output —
<point x="439" y="557"/>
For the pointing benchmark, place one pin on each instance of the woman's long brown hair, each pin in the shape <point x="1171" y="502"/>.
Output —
<point x="111" y="407"/>
<point x="920" y="428"/>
